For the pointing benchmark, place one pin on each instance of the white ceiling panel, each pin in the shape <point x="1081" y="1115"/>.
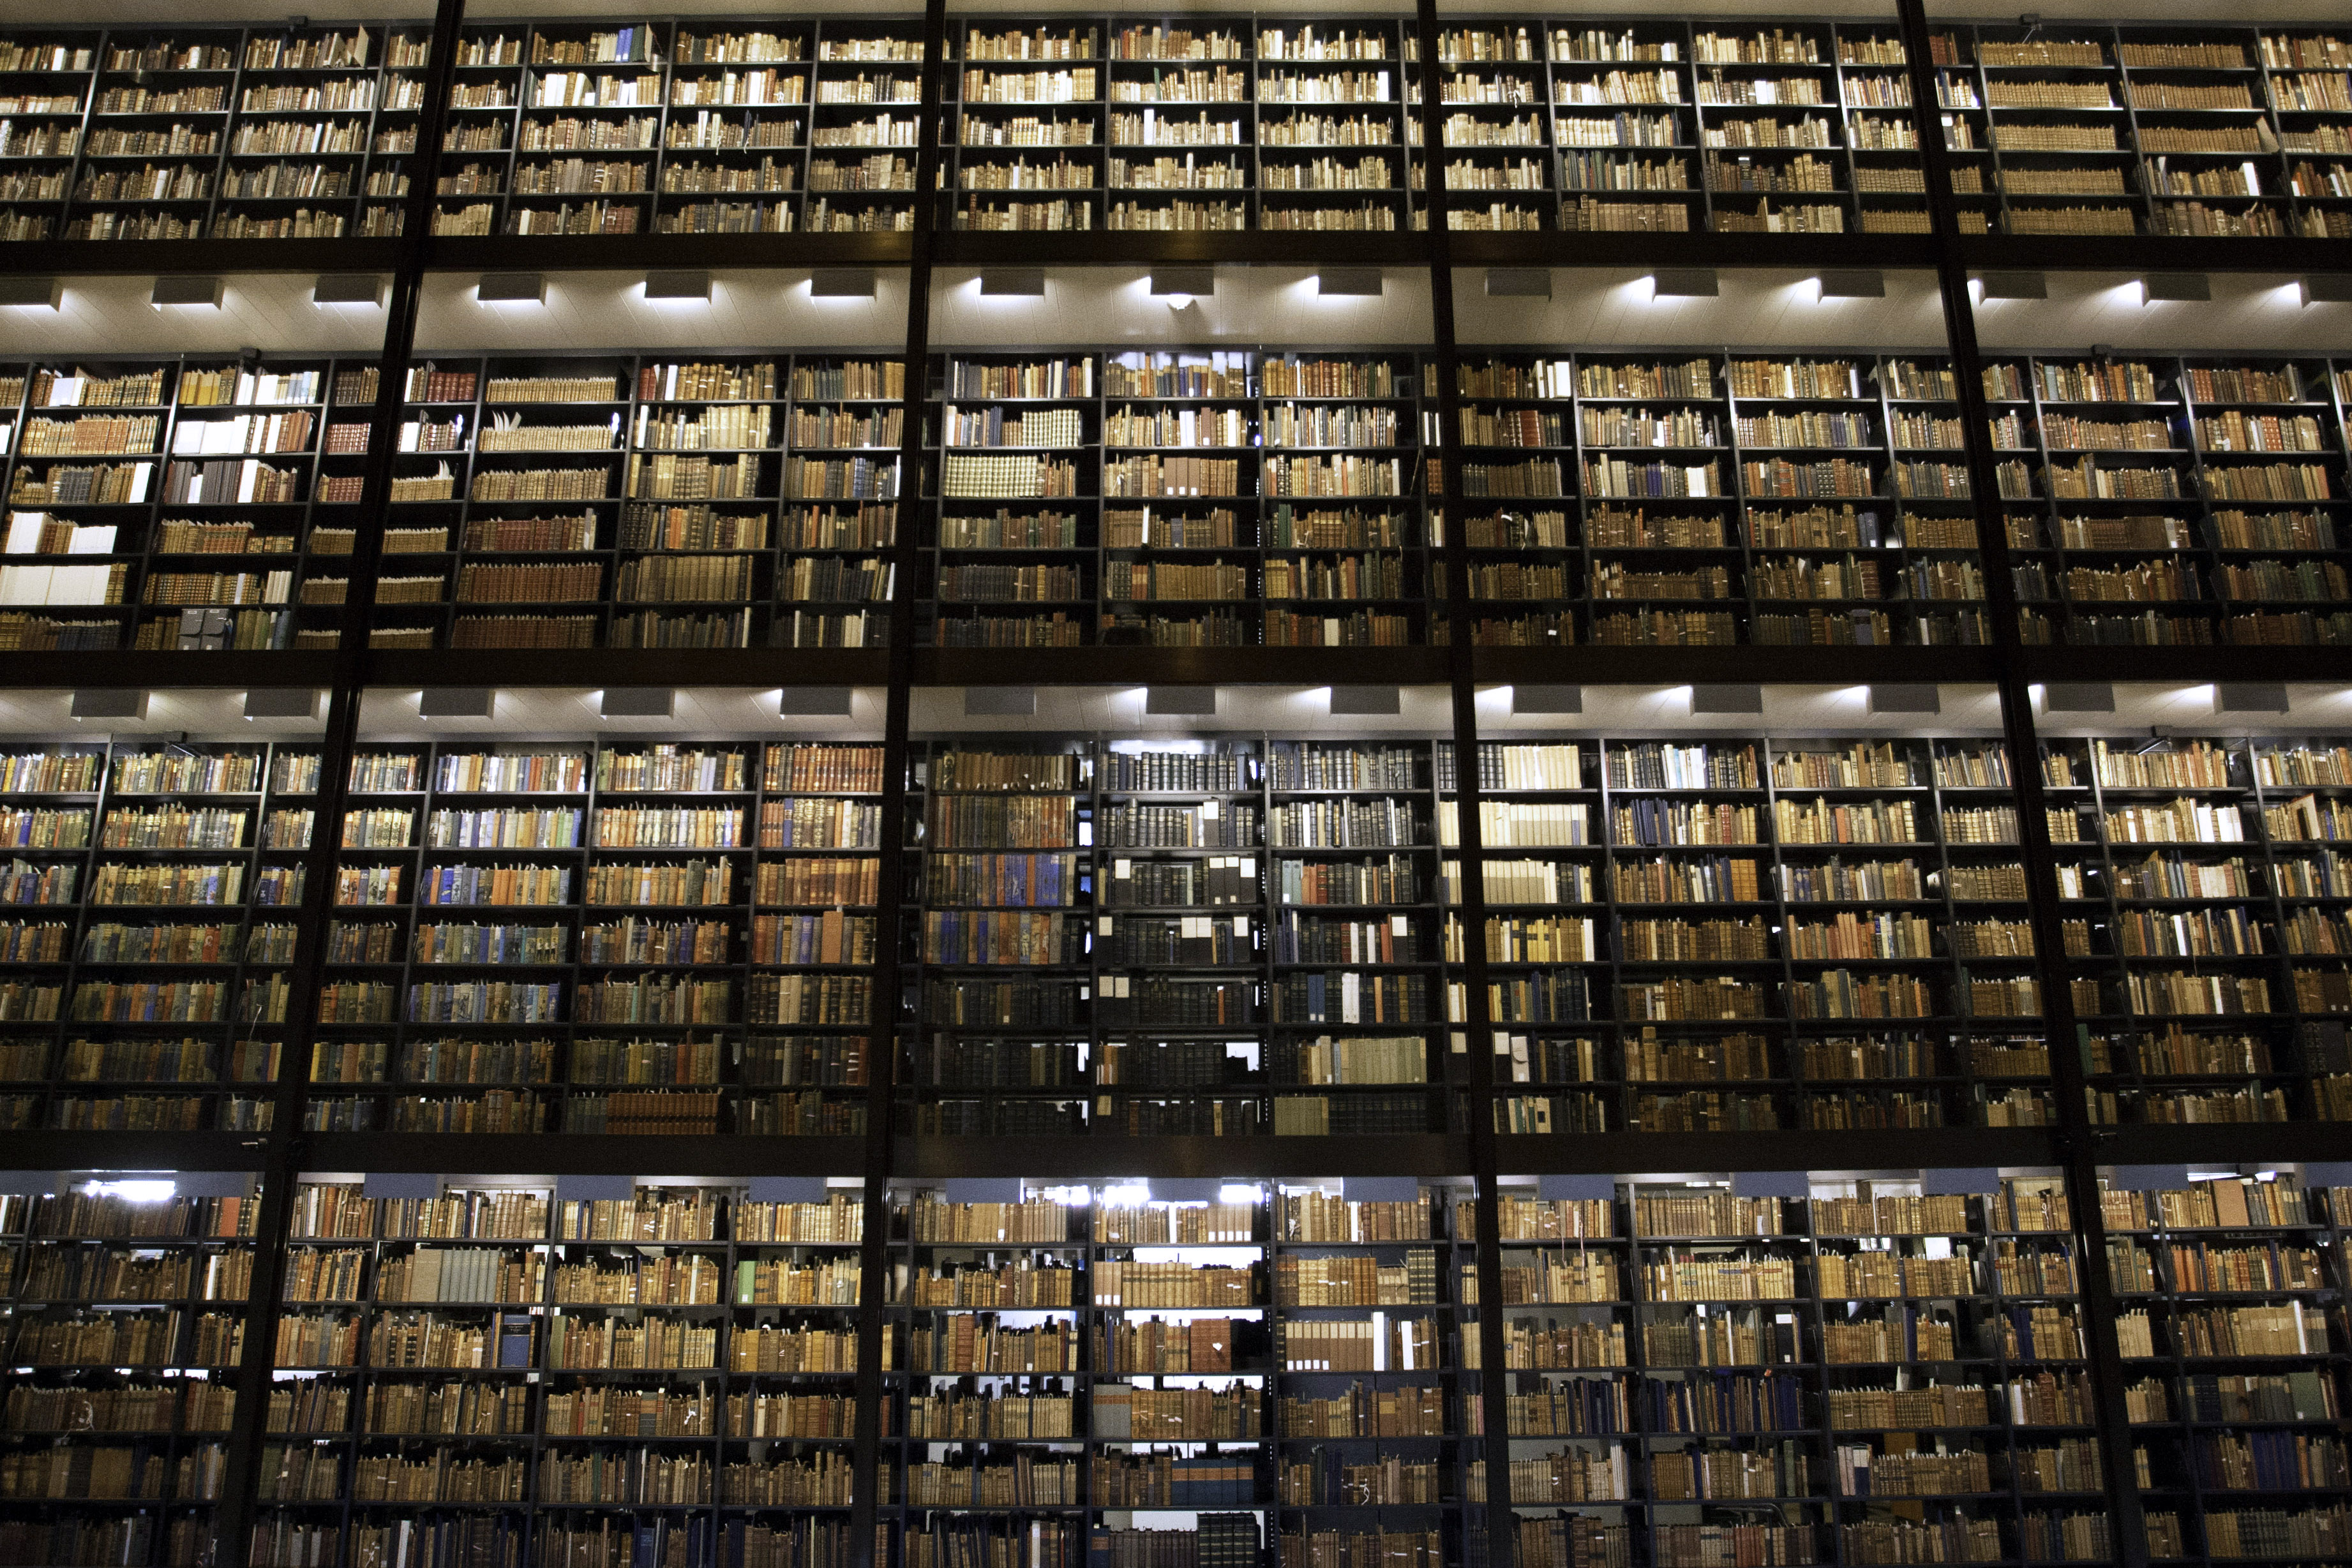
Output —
<point x="1114" y="305"/>
<point x="1620" y="307"/>
<point x="609" y="310"/>
<point x="268" y="310"/>
<point x="2251" y="313"/>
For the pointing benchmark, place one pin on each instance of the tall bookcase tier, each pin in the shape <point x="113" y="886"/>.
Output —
<point x="134" y="476"/>
<point x="1125" y="937"/>
<point x="1287" y="1367"/>
<point x="152" y="952"/>
<point x="125" y="1319"/>
<point x="664" y="939"/>
<point x="1219" y="497"/>
<point x="2200" y="892"/>
<point x="2159" y="501"/>
<point x="1086" y="123"/>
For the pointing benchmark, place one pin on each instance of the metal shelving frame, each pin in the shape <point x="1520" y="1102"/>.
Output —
<point x="2074" y="1145"/>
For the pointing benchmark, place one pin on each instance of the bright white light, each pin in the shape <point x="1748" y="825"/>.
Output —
<point x="1239" y="1192"/>
<point x="133" y="1191"/>
<point x="1642" y="290"/>
<point x="1179" y="301"/>
<point x="1127" y="1195"/>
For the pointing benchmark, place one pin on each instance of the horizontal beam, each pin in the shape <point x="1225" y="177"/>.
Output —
<point x="2090" y="252"/>
<point x="1089" y="1158"/>
<point x="1100" y="666"/>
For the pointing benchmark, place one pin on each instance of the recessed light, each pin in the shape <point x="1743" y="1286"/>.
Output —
<point x="1183" y="282"/>
<point x="187" y="291"/>
<point x="38" y="293"/>
<point x="678" y="286"/>
<point x="1686" y="283"/>
<point x="348" y="289"/>
<point x="2014" y="285"/>
<point x="1859" y="284"/>
<point x="2177" y="285"/>
<point x="511" y="288"/>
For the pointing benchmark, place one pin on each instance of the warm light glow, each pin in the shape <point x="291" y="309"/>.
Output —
<point x="133" y="1191"/>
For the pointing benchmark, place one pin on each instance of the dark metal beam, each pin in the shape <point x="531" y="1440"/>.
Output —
<point x="2060" y="1032"/>
<point x="282" y="1150"/>
<point x="884" y="1020"/>
<point x="1469" y="910"/>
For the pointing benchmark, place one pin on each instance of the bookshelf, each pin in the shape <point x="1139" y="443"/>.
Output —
<point x="47" y="89"/>
<point x="1301" y="498"/>
<point x="125" y="1321"/>
<point x="2206" y="490"/>
<point x="710" y="125"/>
<point x="653" y="501"/>
<point x="130" y="479"/>
<point x="1280" y="1369"/>
<point x="660" y="940"/>
<point x="698" y="126"/>
<point x="1870" y="966"/>
<point x="1005" y="978"/>
<point x="1813" y="1364"/>
<point x="2088" y="130"/>
<point x="1864" y="965"/>
<point x="1796" y="501"/>
<point x="668" y="1371"/>
<point x="281" y="132"/>
<point x="2226" y="1339"/>
<point x="1249" y="968"/>
<point x="149" y="959"/>
<point x="1231" y="497"/>
<point x="2201" y="896"/>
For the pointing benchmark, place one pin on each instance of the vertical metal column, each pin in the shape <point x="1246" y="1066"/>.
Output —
<point x="1469" y="907"/>
<point x="281" y="1155"/>
<point x="886" y="1015"/>
<point x="2076" y="1140"/>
